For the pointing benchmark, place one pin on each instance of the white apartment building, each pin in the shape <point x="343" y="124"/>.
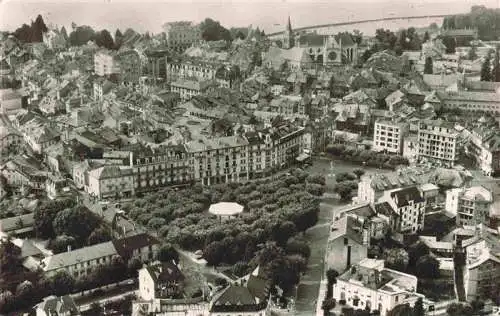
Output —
<point x="437" y="141"/>
<point x="470" y="205"/>
<point x="484" y="146"/>
<point x="189" y="88"/>
<point x="407" y="209"/>
<point x="369" y="285"/>
<point x="105" y="64"/>
<point x="219" y="160"/>
<point x="191" y="69"/>
<point x="110" y="181"/>
<point x="181" y="35"/>
<point x="388" y="136"/>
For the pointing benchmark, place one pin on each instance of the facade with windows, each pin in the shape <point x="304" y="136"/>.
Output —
<point x="407" y="209"/>
<point x="181" y="35"/>
<point x="190" y="69"/>
<point x="437" y="141"/>
<point x="470" y="205"/>
<point x="369" y="285"/>
<point x="110" y="181"/>
<point x="189" y="88"/>
<point x="105" y="64"/>
<point x="159" y="167"/>
<point x="388" y="136"/>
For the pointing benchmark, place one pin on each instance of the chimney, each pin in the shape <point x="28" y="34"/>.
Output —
<point x="69" y="248"/>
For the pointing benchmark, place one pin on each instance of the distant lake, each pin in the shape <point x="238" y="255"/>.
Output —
<point x="270" y="15"/>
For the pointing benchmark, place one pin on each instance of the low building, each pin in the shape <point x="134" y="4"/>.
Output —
<point x="160" y="281"/>
<point x="370" y="286"/>
<point x="81" y="261"/>
<point x="57" y="306"/>
<point x="189" y="88"/>
<point x="110" y="181"/>
<point x="10" y="101"/>
<point x="142" y="246"/>
<point x="10" y="141"/>
<point x="471" y="206"/>
<point x="21" y="225"/>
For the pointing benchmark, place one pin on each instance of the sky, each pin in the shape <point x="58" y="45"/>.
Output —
<point x="270" y="15"/>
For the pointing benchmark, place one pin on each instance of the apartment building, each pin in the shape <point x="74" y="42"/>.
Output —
<point x="159" y="167"/>
<point x="437" y="141"/>
<point x="10" y="141"/>
<point x="406" y="211"/>
<point x="131" y="64"/>
<point x="191" y="69"/>
<point x="369" y="285"/>
<point x="81" y="261"/>
<point x="181" y="35"/>
<point x="484" y="146"/>
<point x="218" y="160"/>
<point x="189" y="88"/>
<point x="470" y="205"/>
<point x="482" y="266"/>
<point x="388" y="135"/>
<point x="105" y="64"/>
<point x="110" y="181"/>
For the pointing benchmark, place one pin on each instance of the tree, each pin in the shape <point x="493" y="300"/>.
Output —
<point x="428" y="67"/>
<point x="168" y="253"/>
<point x="472" y="53"/>
<point x="10" y="258"/>
<point x="77" y="221"/>
<point x="343" y="190"/>
<point x="64" y="33"/>
<point x="495" y="74"/>
<point x="418" y="309"/>
<point x="61" y="283"/>
<point x="396" y="258"/>
<point x="358" y="172"/>
<point x="81" y="35"/>
<point x="400" y="310"/>
<point x="99" y="235"/>
<point x="240" y="268"/>
<point x="386" y="39"/>
<point x="427" y="267"/>
<point x="458" y="309"/>
<point x="212" y="31"/>
<point x="328" y="304"/>
<point x="95" y="309"/>
<point x="45" y="214"/>
<point x="118" y="39"/>
<point x="477" y="305"/>
<point x="486" y="69"/>
<point x="426" y="36"/>
<point x="6" y="301"/>
<point x="331" y="277"/>
<point x="104" y="39"/>
<point x="62" y="243"/>
<point x="25" y="293"/>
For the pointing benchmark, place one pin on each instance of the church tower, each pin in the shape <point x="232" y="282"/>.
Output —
<point x="288" y="40"/>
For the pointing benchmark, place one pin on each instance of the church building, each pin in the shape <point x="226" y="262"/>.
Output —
<point x="323" y="49"/>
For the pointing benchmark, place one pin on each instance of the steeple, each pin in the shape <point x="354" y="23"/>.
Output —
<point x="288" y="41"/>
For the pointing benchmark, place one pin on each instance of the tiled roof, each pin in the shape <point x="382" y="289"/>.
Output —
<point x="17" y="222"/>
<point x="110" y="171"/>
<point x="64" y="305"/>
<point x="236" y="298"/>
<point x="402" y="197"/>
<point x="385" y="208"/>
<point x="127" y="245"/>
<point x="65" y="259"/>
<point x="312" y="40"/>
<point x="165" y="272"/>
<point x="345" y="39"/>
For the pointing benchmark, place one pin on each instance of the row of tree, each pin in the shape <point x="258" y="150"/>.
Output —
<point x="32" y="33"/>
<point x="366" y="157"/>
<point x="491" y="72"/>
<point x="487" y="22"/>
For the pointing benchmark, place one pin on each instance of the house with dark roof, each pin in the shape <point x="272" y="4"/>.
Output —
<point x="161" y="281"/>
<point x="141" y="246"/>
<point x="57" y="306"/>
<point x="17" y="225"/>
<point x="110" y="181"/>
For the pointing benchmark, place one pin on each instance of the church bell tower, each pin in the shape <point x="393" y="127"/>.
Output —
<point x="288" y="40"/>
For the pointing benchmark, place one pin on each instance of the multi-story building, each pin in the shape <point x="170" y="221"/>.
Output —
<point x="162" y="166"/>
<point x="105" y="64"/>
<point x="470" y="205"/>
<point x="110" y="181"/>
<point x="437" y="141"/>
<point x="370" y="286"/>
<point x="388" y="135"/>
<point x="484" y="146"/>
<point x="131" y="64"/>
<point x="181" y="35"/>
<point x="191" y="69"/>
<point x="471" y="101"/>
<point x="482" y="265"/>
<point x="10" y="141"/>
<point x="218" y="161"/>
<point x="407" y="209"/>
<point x="156" y="67"/>
<point x="55" y="39"/>
<point x="81" y="261"/>
<point x="189" y="88"/>
<point x="141" y="246"/>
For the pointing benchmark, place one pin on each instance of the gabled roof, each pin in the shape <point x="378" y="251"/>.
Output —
<point x="165" y="272"/>
<point x="17" y="222"/>
<point x="402" y="197"/>
<point x="236" y="298"/>
<point x="126" y="246"/>
<point x="385" y="208"/>
<point x="65" y="259"/>
<point x="345" y="39"/>
<point x="54" y="305"/>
